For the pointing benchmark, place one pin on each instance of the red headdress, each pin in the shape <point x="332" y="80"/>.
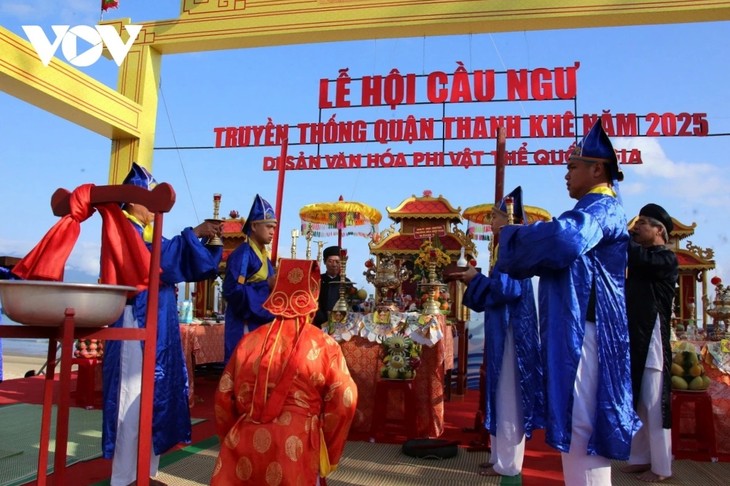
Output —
<point x="293" y="302"/>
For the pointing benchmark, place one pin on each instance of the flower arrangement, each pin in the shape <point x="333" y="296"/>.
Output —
<point x="401" y="358"/>
<point x="429" y="251"/>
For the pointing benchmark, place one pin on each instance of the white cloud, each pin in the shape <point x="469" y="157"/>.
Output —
<point x="693" y="191"/>
<point x="666" y="178"/>
<point x="14" y="248"/>
<point x="84" y="257"/>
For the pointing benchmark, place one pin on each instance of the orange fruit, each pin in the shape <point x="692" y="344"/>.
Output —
<point x="696" y="370"/>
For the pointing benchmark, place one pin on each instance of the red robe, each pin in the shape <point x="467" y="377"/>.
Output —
<point x="285" y="389"/>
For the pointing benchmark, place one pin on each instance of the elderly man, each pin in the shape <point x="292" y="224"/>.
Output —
<point x="330" y="290"/>
<point x="580" y="258"/>
<point x="650" y="285"/>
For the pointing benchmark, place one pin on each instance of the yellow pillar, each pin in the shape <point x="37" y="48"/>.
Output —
<point x="139" y="77"/>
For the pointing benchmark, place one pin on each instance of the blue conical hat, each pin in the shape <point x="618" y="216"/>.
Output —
<point x="261" y="211"/>
<point x="139" y="176"/>
<point x="597" y="147"/>
<point x="519" y="209"/>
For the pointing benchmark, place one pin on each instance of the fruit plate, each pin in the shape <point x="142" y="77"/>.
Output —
<point x="689" y="391"/>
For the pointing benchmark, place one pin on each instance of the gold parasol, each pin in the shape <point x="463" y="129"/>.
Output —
<point x="339" y="215"/>
<point x="479" y="218"/>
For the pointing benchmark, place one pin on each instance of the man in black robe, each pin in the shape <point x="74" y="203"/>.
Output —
<point x="650" y="286"/>
<point x="330" y="289"/>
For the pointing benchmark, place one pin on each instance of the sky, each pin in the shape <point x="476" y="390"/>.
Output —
<point x="639" y="69"/>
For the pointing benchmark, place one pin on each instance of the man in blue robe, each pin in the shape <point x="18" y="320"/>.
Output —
<point x="183" y="259"/>
<point x="249" y="276"/>
<point x="515" y="402"/>
<point x="580" y="258"/>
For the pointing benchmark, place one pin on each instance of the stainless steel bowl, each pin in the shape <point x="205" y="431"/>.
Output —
<point x="40" y="303"/>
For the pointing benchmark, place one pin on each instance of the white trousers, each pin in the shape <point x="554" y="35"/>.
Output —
<point x="508" y="446"/>
<point x="124" y="462"/>
<point x="652" y="444"/>
<point x="579" y="468"/>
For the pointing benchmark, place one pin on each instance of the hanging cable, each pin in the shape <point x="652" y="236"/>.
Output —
<point x="177" y="150"/>
<point x="504" y="66"/>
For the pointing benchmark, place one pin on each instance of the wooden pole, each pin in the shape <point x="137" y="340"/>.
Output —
<point x="279" y="198"/>
<point x="499" y="163"/>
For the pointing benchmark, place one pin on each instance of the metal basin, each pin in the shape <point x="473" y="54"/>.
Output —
<point x="41" y="303"/>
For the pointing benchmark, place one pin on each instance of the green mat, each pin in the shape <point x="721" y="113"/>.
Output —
<point x="362" y="464"/>
<point x="20" y="426"/>
<point x="366" y="464"/>
<point x="20" y="431"/>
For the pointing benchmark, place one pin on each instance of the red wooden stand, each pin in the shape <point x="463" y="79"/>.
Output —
<point x="380" y="420"/>
<point x="702" y="438"/>
<point x="159" y="200"/>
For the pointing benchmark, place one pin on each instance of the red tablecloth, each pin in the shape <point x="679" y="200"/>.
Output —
<point x="201" y="343"/>
<point x="364" y="359"/>
<point x="204" y="344"/>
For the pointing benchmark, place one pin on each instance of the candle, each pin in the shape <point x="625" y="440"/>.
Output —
<point x="343" y="253"/>
<point x="216" y="197"/>
<point x="432" y="254"/>
<point x="295" y="233"/>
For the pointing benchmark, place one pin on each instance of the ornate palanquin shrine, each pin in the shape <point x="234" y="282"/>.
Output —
<point x="694" y="262"/>
<point x="420" y="218"/>
<point x="427" y="217"/>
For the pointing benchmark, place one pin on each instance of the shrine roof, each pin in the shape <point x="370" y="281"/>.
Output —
<point x="681" y="230"/>
<point x="690" y="261"/>
<point x="425" y="207"/>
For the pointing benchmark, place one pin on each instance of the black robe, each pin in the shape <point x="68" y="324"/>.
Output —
<point x="650" y="286"/>
<point x="329" y="292"/>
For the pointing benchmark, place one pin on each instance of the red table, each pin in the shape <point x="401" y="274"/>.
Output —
<point x="364" y="359"/>
<point x="201" y="343"/>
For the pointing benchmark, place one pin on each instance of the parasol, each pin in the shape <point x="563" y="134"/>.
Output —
<point x="339" y="215"/>
<point x="479" y="218"/>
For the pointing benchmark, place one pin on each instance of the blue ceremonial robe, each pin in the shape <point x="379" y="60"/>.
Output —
<point x="506" y="301"/>
<point x="183" y="259"/>
<point x="244" y="300"/>
<point x="582" y="249"/>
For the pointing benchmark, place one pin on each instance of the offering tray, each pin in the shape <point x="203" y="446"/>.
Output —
<point x="44" y="303"/>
